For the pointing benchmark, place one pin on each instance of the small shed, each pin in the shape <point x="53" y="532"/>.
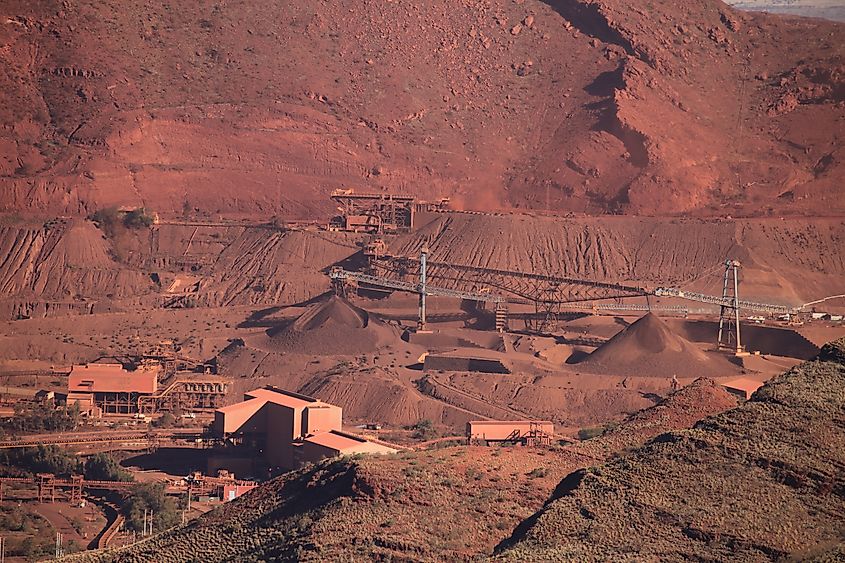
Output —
<point x="743" y="387"/>
<point x="334" y="443"/>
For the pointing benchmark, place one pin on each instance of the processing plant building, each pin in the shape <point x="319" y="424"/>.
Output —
<point x="111" y="389"/>
<point x="289" y="428"/>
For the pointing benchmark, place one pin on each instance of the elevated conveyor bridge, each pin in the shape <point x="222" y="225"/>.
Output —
<point x="550" y="295"/>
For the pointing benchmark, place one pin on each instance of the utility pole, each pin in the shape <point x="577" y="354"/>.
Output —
<point x="187" y="504"/>
<point x="59" y="551"/>
<point x="2" y="550"/>
<point x="423" y="259"/>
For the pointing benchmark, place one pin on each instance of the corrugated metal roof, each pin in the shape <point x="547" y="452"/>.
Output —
<point x="112" y="378"/>
<point x="335" y="440"/>
<point x="250" y="404"/>
<point x="281" y="397"/>
<point x="257" y="398"/>
<point x="743" y="384"/>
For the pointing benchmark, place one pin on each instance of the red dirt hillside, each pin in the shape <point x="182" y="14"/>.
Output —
<point x="599" y="106"/>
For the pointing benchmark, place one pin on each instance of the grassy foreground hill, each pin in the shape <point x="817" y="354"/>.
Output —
<point x="761" y="482"/>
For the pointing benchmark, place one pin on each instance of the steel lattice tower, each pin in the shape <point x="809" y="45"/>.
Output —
<point x="729" y="331"/>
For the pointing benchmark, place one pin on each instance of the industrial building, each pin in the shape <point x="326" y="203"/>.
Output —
<point x="111" y="389"/>
<point x="379" y="213"/>
<point x="373" y="213"/>
<point x="290" y="429"/>
<point x="332" y="444"/>
<point x="524" y="432"/>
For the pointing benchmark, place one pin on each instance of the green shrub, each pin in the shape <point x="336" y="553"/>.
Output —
<point x="538" y="472"/>
<point x="108" y="220"/>
<point x="137" y="219"/>
<point x="424" y="430"/>
<point x="103" y="467"/>
<point x="150" y="497"/>
<point x="166" y="420"/>
<point x="473" y="474"/>
<point x="112" y="222"/>
<point x="589" y="433"/>
<point x="43" y="417"/>
<point x="42" y="459"/>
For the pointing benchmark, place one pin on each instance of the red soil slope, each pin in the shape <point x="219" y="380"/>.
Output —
<point x="607" y="105"/>
<point x="681" y="409"/>
<point x="784" y="261"/>
<point x="64" y="259"/>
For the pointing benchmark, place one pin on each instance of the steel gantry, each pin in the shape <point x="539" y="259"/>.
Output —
<point x="730" y="305"/>
<point x="548" y="294"/>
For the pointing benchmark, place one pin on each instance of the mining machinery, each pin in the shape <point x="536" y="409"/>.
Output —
<point x="373" y="213"/>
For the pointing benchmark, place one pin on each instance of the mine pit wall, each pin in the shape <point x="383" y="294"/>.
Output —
<point x="12" y="310"/>
<point x="788" y="261"/>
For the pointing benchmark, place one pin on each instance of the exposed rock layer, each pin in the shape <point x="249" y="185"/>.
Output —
<point x="598" y="106"/>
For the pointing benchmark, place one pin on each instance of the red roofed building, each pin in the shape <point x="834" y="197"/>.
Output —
<point x="332" y="444"/>
<point x="742" y="387"/>
<point x="111" y="387"/>
<point x="290" y="429"/>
